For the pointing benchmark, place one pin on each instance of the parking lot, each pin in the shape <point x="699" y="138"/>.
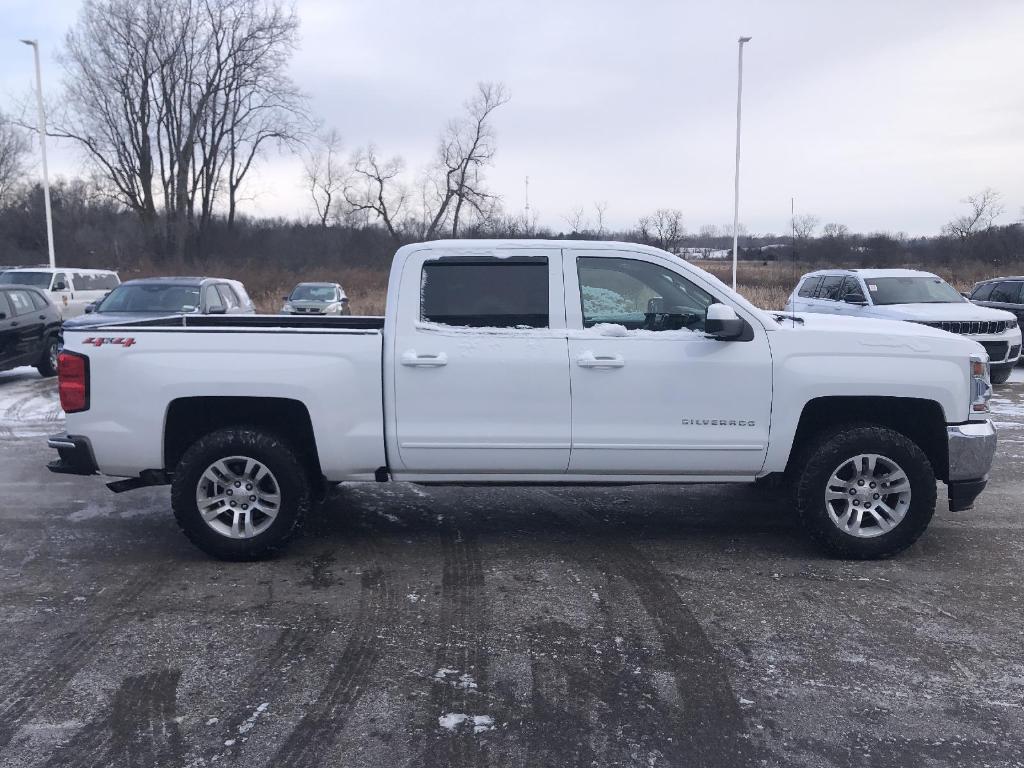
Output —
<point x="639" y="626"/>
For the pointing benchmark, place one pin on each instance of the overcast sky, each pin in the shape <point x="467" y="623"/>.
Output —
<point x="878" y="114"/>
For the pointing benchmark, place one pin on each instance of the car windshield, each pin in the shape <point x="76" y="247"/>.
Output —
<point x="313" y="293"/>
<point x="151" y="298"/>
<point x="912" y="290"/>
<point x="35" y="279"/>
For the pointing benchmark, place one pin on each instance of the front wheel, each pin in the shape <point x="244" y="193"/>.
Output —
<point x="865" y="491"/>
<point x="240" y="493"/>
<point x="1000" y="374"/>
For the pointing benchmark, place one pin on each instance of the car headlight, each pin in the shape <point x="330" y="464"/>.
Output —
<point x="287" y="307"/>
<point x="981" y="386"/>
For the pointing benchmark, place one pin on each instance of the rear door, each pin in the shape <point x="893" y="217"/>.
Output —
<point x="480" y="364"/>
<point x="805" y="293"/>
<point x="829" y="298"/>
<point x="9" y="355"/>
<point x="29" y="325"/>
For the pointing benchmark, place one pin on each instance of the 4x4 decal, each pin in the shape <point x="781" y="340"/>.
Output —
<point x="99" y="341"/>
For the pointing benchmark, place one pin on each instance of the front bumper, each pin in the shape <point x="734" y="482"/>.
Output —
<point x="972" y="447"/>
<point x="75" y="454"/>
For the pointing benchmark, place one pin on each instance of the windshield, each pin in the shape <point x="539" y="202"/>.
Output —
<point x="912" y="290"/>
<point x="151" y="298"/>
<point x="35" y="279"/>
<point x="313" y="293"/>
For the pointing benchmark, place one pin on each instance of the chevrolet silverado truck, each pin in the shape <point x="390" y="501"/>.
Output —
<point x="544" y="362"/>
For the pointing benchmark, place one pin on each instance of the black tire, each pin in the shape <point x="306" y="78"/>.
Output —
<point x="825" y="454"/>
<point x="1000" y="374"/>
<point x="47" y="365"/>
<point x="270" y="451"/>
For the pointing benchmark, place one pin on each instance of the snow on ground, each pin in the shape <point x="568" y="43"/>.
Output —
<point x="1007" y="406"/>
<point x="29" y="406"/>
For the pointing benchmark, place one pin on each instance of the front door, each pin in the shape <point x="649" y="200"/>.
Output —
<point x="651" y="394"/>
<point x="29" y="325"/>
<point x="9" y="355"/>
<point x="481" y="373"/>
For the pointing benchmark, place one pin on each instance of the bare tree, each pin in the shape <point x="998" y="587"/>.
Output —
<point x="985" y="207"/>
<point x="173" y="100"/>
<point x="835" y="231"/>
<point x="664" y="228"/>
<point x="326" y="175"/>
<point x="600" y="208"/>
<point x="577" y="220"/>
<point x="804" y="225"/>
<point x="467" y="147"/>
<point x="375" y="188"/>
<point x="14" y="147"/>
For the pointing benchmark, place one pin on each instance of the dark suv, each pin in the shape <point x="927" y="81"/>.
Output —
<point x="1001" y="293"/>
<point x="29" y="329"/>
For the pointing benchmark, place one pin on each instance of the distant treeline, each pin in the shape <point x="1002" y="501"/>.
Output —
<point x="90" y="230"/>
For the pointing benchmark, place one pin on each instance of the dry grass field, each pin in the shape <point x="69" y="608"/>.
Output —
<point x="765" y="284"/>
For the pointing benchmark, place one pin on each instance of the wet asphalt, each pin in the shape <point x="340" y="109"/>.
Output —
<point x="409" y="626"/>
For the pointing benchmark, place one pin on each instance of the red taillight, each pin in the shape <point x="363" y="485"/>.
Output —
<point x="73" y="381"/>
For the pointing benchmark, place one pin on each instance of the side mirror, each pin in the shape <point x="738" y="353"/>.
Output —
<point x="60" y="285"/>
<point x="217" y="311"/>
<point x="721" y="322"/>
<point x="965" y="294"/>
<point x="855" y="298"/>
<point x="285" y="298"/>
<point x="90" y="308"/>
<point x="3" y="315"/>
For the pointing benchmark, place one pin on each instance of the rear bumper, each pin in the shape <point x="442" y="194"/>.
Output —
<point x="972" y="447"/>
<point x="75" y="455"/>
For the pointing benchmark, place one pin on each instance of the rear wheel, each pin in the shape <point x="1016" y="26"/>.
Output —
<point x="240" y="494"/>
<point x="865" y="491"/>
<point x="47" y="365"/>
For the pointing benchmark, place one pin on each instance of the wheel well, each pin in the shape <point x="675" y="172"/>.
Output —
<point x="920" y="420"/>
<point x="190" y="418"/>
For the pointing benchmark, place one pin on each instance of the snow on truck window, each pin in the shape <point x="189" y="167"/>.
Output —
<point x="638" y="295"/>
<point x="485" y="292"/>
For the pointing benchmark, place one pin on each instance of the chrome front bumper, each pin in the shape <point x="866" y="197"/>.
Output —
<point x="972" y="447"/>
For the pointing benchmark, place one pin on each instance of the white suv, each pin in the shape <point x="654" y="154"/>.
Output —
<point x="914" y="296"/>
<point x="71" y="289"/>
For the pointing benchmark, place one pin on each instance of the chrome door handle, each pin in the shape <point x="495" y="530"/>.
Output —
<point x="590" y="360"/>
<point x="424" y="361"/>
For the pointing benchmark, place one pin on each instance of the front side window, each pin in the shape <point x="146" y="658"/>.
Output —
<point x="34" y="279"/>
<point x="1006" y="293"/>
<point x="486" y="293"/>
<point x="639" y="296"/>
<point x="851" y="287"/>
<point x="20" y="302"/>
<point x="982" y="292"/>
<point x="912" y="290"/>
<point x="831" y="287"/>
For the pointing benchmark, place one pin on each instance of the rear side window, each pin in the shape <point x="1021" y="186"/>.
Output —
<point x="105" y="281"/>
<point x="1008" y="293"/>
<point x="830" y="288"/>
<point x="809" y="287"/>
<point x="486" y="293"/>
<point x="851" y="285"/>
<point x="5" y="308"/>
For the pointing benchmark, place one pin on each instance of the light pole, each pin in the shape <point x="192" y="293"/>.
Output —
<point x="42" y="147"/>
<point x="736" y="191"/>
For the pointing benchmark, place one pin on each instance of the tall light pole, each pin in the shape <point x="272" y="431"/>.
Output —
<point x="736" y="191"/>
<point x="42" y="147"/>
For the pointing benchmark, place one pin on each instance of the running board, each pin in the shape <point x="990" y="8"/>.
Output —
<point x="146" y="479"/>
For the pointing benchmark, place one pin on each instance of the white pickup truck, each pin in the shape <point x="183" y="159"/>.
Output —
<point x="531" y="362"/>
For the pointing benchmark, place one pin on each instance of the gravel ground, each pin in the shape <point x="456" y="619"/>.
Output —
<point x="646" y="626"/>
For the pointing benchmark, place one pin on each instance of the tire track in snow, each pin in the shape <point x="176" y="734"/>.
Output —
<point x="25" y="696"/>
<point x="462" y="622"/>
<point x="346" y="682"/>
<point x="139" y="731"/>
<point x="708" y="727"/>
